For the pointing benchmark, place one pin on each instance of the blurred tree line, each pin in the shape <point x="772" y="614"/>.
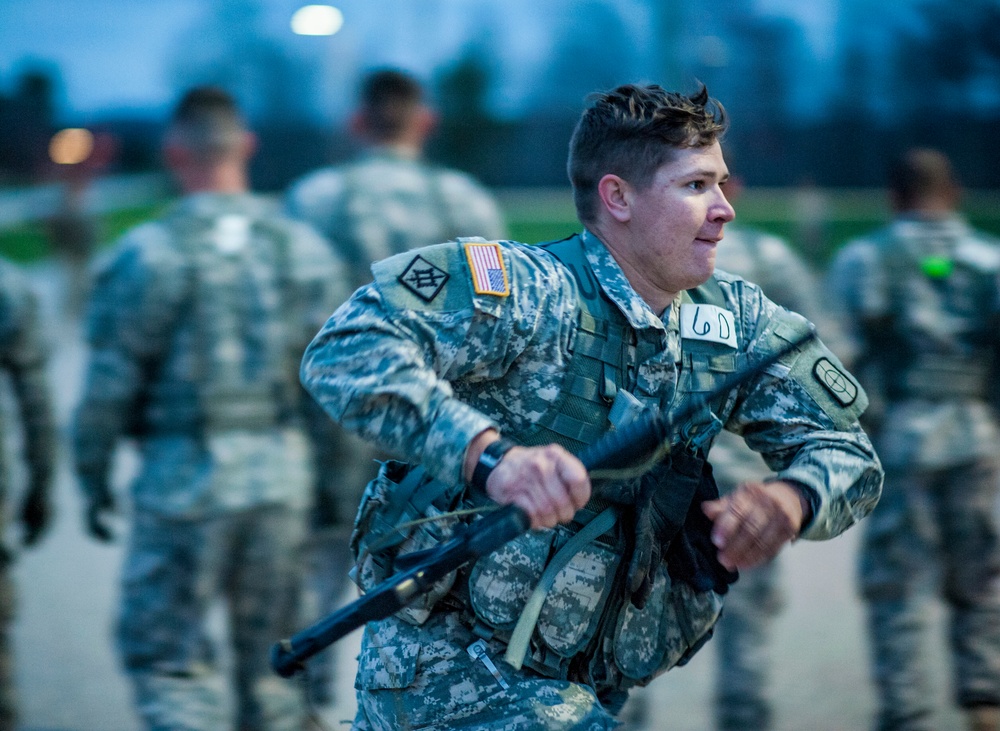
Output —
<point x="933" y="82"/>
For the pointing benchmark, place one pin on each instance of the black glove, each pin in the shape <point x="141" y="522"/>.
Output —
<point x="100" y="504"/>
<point x="661" y="504"/>
<point x="36" y="513"/>
<point x="692" y="557"/>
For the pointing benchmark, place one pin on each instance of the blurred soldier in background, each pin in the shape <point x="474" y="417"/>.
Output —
<point x="23" y="359"/>
<point x="74" y="232"/>
<point x="388" y="201"/>
<point x="196" y="328"/>
<point x="920" y="298"/>
<point x="743" y="634"/>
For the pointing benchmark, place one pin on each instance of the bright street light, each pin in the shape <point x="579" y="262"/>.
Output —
<point x="71" y="146"/>
<point x="317" y="20"/>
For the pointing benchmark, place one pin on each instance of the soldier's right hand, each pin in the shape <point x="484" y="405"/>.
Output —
<point x="548" y="482"/>
<point x="100" y="506"/>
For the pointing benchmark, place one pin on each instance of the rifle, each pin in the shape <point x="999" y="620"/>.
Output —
<point x="618" y="449"/>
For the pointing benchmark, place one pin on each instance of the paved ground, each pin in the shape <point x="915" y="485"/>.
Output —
<point x="69" y="680"/>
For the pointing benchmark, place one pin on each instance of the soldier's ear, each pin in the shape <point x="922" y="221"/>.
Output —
<point x="175" y="156"/>
<point x="615" y="195"/>
<point x="249" y="145"/>
<point x="426" y="121"/>
<point x="356" y="125"/>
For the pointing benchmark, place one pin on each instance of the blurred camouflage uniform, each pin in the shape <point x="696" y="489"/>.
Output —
<point x="385" y="203"/>
<point x="22" y="360"/>
<point x="196" y="325"/>
<point x="920" y="297"/>
<point x="743" y="634"/>
<point x="420" y="363"/>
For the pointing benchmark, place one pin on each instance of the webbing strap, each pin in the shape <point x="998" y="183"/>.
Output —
<point x="517" y="648"/>
<point x="410" y="500"/>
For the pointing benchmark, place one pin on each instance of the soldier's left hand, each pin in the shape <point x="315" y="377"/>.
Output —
<point x="35" y="514"/>
<point x="753" y="523"/>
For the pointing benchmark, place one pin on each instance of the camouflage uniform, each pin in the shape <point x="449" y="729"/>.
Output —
<point x="743" y="634"/>
<point x="196" y="325"/>
<point x="421" y="363"/>
<point x="23" y="360"/>
<point x="384" y="203"/>
<point x="921" y="299"/>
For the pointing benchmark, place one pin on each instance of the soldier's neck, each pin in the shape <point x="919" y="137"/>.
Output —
<point x="215" y="179"/>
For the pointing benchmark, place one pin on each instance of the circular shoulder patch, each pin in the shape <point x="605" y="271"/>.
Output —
<point x="840" y="385"/>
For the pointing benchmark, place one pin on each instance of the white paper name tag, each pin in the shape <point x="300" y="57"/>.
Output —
<point x="708" y="322"/>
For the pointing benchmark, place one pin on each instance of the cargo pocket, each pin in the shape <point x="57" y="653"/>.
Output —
<point x="573" y="607"/>
<point x="649" y="639"/>
<point x="697" y="612"/>
<point x="375" y="542"/>
<point x="501" y="582"/>
<point x="391" y="667"/>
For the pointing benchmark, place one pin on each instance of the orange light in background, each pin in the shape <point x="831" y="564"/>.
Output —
<point x="71" y="146"/>
<point x="317" y="20"/>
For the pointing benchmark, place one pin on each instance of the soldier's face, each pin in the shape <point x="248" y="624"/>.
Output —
<point x="677" y="221"/>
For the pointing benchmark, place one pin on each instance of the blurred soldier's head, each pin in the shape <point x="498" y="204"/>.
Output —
<point x="923" y="181"/>
<point x="207" y="145"/>
<point x="392" y="110"/>
<point x="632" y="131"/>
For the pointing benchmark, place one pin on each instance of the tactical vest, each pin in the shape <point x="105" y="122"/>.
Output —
<point x="606" y="353"/>
<point x="909" y="370"/>
<point x="241" y="369"/>
<point x="559" y="591"/>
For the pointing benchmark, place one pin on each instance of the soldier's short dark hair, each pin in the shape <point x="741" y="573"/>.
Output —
<point x="632" y="131"/>
<point x="920" y="173"/>
<point x="207" y="120"/>
<point x="389" y="97"/>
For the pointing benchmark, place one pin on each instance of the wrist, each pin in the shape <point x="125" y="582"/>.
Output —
<point x="805" y="496"/>
<point x="489" y="458"/>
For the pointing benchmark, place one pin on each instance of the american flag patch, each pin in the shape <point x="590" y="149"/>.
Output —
<point x="489" y="276"/>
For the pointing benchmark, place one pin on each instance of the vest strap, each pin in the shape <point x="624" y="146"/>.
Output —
<point x="520" y="638"/>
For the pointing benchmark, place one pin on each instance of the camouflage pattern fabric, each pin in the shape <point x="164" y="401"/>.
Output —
<point x="402" y="363"/>
<point x="936" y="525"/>
<point x="425" y="678"/>
<point x="217" y="507"/>
<point x="742" y="637"/>
<point x="23" y="360"/>
<point x="384" y="203"/>
<point x="173" y="572"/>
<point x="387" y="203"/>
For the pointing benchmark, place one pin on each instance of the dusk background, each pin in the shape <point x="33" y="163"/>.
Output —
<point x="820" y="94"/>
<point x="820" y="90"/>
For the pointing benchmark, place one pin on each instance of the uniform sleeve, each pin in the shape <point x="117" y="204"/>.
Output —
<point x="802" y="416"/>
<point x="24" y="358"/>
<point x="133" y="307"/>
<point x="384" y="364"/>
<point x="854" y="291"/>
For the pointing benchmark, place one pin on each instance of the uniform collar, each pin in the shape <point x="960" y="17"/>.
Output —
<point x="396" y="153"/>
<point x="207" y="203"/>
<point x="616" y="286"/>
<point x="914" y="226"/>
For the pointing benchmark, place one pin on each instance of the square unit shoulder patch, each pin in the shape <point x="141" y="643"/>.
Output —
<point x="423" y="278"/>
<point x="489" y="274"/>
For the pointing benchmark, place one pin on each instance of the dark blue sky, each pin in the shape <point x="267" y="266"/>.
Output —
<point x="116" y="54"/>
